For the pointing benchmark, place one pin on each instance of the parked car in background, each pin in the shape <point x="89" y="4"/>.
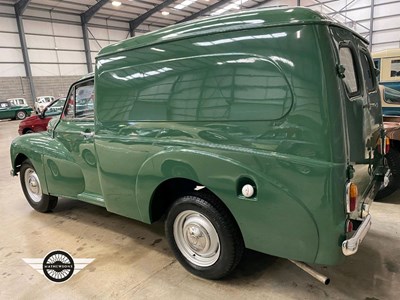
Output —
<point x="39" y="122"/>
<point x="388" y="63"/>
<point x="41" y="102"/>
<point x="8" y="111"/>
<point x="17" y="102"/>
<point x="390" y="101"/>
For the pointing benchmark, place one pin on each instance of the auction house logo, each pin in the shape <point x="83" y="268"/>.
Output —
<point x="58" y="266"/>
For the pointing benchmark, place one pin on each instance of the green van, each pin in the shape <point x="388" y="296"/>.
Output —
<point x="259" y="130"/>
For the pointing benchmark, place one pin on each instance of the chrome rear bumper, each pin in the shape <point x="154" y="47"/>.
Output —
<point x="350" y="246"/>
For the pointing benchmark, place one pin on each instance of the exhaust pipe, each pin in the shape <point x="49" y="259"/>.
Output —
<point x="321" y="278"/>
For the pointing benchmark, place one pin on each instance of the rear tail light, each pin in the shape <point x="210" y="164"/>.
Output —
<point x="349" y="226"/>
<point x="387" y="145"/>
<point x="351" y="197"/>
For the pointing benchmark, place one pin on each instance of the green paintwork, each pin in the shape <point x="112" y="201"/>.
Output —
<point x="247" y="98"/>
<point x="8" y="111"/>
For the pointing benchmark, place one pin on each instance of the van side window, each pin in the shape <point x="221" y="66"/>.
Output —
<point x="350" y="79"/>
<point x="395" y="68"/>
<point x="368" y="72"/>
<point x="219" y="88"/>
<point x="81" y="101"/>
<point x="84" y="99"/>
<point x="69" y="112"/>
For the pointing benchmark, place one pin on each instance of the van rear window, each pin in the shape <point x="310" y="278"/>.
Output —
<point x="368" y="72"/>
<point x="350" y="79"/>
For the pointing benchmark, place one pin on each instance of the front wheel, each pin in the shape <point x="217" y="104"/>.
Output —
<point x="203" y="236"/>
<point x="392" y="177"/>
<point x="32" y="189"/>
<point x="20" y="115"/>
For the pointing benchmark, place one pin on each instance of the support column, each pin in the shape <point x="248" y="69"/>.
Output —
<point x="371" y="24"/>
<point x="86" y="43"/>
<point x="24" y="48"/>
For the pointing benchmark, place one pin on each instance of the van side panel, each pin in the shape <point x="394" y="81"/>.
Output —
<point x="244" y="104"/>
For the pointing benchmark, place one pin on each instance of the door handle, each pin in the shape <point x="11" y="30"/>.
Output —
<point x="87" y="135"/>
<point x="369" y="105"/>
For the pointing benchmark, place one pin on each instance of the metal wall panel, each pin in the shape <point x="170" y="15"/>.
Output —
<point x="69" y="43"/>
<point x="8" y="24"/>
<point x="37" y="27"/>
<point x="11" y="55"/>
<point x="9" y="40"/>
<point x="12" y="70"/>
<point x="68" y="70"/>
<point x="45" y="70"/>
<point x="71" y="57"/>
<point x="387" y="23"/>
<point x="37" y="41"/>
<point x="43" y="56"/>
<point x="67" y="30"/>
<point x="387" y="10"/>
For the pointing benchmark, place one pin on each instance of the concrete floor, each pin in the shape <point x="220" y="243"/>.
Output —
<point x="133" y="259"/>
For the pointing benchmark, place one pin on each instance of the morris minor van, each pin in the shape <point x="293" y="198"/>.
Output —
<point x="259" y="130"/>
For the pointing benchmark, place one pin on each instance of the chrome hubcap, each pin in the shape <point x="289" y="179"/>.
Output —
<point x="196" y="238"/>
<point x="21" y="115"/>
<point x="32" y="184"/>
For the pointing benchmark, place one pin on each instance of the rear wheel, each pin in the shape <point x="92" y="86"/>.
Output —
<point x="20" y="115"/>
<point x="392" y="177"/>
<point x="203" y="236"/>
<point x="32" y="189"/>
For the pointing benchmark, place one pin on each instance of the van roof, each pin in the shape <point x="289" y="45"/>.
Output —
<point x="386" y="53"/>
<point x="239" y="21"/>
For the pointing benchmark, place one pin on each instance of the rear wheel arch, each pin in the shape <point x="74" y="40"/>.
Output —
<point x="172" y="189"/>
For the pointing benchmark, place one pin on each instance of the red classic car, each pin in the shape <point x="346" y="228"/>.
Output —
<point x="39" y="122"/>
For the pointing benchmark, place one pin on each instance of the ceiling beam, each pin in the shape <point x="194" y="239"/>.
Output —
<point x="87" y="15"/>
<point x="133" y="24"/>
<point x="20" y="6"/>
<point x="204" y="11"/>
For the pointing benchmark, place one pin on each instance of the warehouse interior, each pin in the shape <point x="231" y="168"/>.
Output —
<point x="47" y="45"/>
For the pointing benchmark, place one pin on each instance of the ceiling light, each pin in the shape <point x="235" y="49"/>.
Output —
<point x="116" y="3"/>
<point x="184" y="4"/>
<point x="235" y="5"/>
<point x="165" y="13"/>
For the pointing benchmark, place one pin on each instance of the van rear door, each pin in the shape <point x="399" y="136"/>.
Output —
<point x="363" y="112"/>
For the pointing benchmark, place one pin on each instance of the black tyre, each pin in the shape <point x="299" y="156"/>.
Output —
<point x="20" y="115"/>
<point x="33" y="190"/>
<point x="204" y="236"/>
<point x="392" y="177"/>
<point x="28" y="131"/>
